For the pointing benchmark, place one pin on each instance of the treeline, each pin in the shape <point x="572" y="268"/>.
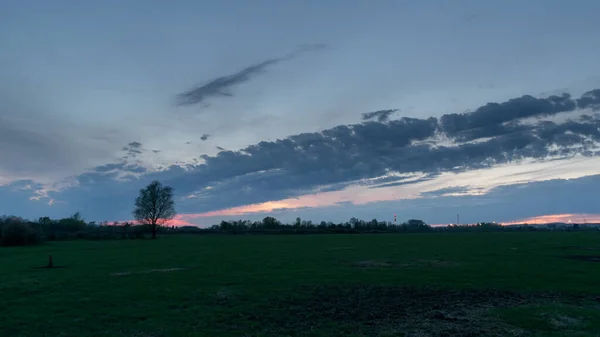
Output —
<point x="18" y="231"/>
<point x="270" y="225"/>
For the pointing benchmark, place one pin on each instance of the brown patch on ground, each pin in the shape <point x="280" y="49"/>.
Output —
<point x="388" y="311"/>
<point x="164" y="270"/>
<point x="562" y="321"/>
<point x="122" y="273"/>
<point x="592" y="258"/>
<point x="125" y="273"/>
<point x="431" y="263"/>
<point x="578" y="248"/>
<point x="373" y="264"/>
<point x="224" y="296"/>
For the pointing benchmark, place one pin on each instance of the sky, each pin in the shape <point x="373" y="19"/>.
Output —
<point x="312" y="109"/>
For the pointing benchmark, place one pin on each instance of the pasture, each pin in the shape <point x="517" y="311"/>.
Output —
<point x="454" y="284"/>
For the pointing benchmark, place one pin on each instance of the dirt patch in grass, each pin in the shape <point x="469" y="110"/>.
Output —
<point x="373" y="264"/>
<point x="386" y="311"/>
<point x="50" y="268"/>
<point x="431" y="263"/>
<point x="226" y="297"/>
<point x="578" y="248"/>
<point x="341" y="248"/>
<point x="163" y="270"/>
<point x="125" y="273"/>
<point x="591" y="258"/>
<point x="562" y="321"/>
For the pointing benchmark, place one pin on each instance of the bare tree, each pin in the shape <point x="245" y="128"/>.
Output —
<point x="154" y="206"/>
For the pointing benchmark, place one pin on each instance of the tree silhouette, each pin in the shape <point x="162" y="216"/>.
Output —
<point x="154" y="206"/>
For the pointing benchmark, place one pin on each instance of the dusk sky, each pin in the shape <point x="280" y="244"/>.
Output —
<point x="323" y="110"/>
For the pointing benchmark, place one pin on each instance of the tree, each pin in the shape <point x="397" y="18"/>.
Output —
<point x="154" y="206"/>
<point x="270" y="222"/>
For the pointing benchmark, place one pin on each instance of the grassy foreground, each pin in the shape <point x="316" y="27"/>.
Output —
<point x="460" y="284"/>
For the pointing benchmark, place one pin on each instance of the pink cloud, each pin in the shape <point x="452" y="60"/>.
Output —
<point x="476" y="182"/>
<point x="566" y="217"/>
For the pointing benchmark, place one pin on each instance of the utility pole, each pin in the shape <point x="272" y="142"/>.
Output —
<point x="457" y="220"/>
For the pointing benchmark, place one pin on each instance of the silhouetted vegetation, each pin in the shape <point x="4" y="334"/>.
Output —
<point x="18" y="231"/>
<point x="154" y="206"/>
<point x="270" y="225"/>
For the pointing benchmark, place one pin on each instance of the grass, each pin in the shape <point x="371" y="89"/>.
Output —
<point x="459" y="284"/>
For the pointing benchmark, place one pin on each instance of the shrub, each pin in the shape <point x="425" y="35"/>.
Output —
<point x="19" y="234"/>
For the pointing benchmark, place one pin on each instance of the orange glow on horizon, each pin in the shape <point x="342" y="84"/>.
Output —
<point x="474" y="182"/>
<point x="581" y="218"/>
<point x="477" y="182"/>
<point x="177" y="221"/>
<point x="566" y="218"/>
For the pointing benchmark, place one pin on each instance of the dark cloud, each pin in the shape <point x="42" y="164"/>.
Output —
<point x="28" y="140"/>
<point x="108" y="172"/>
<point x="135" y="145"/>
<point x="380" y="115"/>
<point x="407" y="181"/>
<point x="204" y="136"/>
<point x="132" y="150"/>
<point x="494" y="119"/>
<point x="344" y="154"/>
<point x="223" y="85"/>
<point x="109" y="167"/>
<point x="220" y="148"/>
<point x="348" y="154"/>
<point x="445" y="190"/>
<point x="590" y="99"/>
<point x="505" y="203"/>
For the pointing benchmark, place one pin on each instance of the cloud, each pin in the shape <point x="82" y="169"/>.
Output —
<point x="132" y="150"/>
<point x="590" y="99"/>
<point x="205" y="136"/>
<point x="380" y="115"/>
<point x="135" y="145"/>
<point x="34" y="144"/>
<point x="222" y="86"/>
<point x="503" y="204"/>
<point x="446" y="191"/>
<point x="494" y="119"/>
<point x="405" y="181"/>
<point x="348" y="154"/>
<point x="404" y="151"/>
<point x="564" y="217"/>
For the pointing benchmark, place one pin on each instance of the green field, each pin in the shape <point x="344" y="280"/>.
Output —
<point x="460" y="284"/>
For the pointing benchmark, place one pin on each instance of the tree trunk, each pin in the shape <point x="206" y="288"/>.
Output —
<point x="154" y="227"/>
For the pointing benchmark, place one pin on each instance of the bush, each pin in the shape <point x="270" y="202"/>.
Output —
<point x="19" y="234"/>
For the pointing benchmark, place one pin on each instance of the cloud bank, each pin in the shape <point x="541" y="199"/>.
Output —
<point x="375" y="154"/>
<point x="372" y="154"/>
<point x="494" y="134"/>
